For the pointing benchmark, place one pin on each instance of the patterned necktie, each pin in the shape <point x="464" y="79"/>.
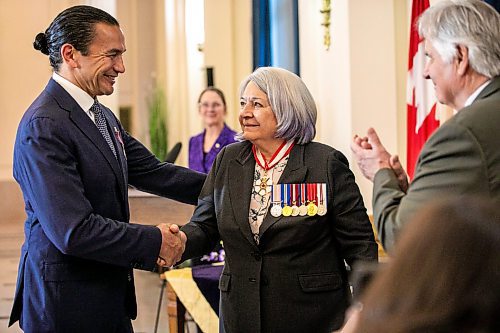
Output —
<point x="100" y="122"/>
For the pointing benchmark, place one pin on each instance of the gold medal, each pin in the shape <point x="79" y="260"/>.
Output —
<point x="287" y="211"/>
<point x="312" y="209"/>
<point x="294" y="192"/>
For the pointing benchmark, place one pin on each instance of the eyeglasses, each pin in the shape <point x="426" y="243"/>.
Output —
<point x="207" y="105"/>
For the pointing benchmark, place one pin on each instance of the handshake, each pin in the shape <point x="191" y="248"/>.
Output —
<point x="173" y="243"/>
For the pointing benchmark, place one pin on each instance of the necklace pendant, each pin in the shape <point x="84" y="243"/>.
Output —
<point x="263" y="185"/>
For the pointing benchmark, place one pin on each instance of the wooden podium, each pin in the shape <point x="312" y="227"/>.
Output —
<point x="151" y="209"/>
<point x="176" y="311"/>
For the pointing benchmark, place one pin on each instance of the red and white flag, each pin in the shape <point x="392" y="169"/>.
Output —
<point x="420" y="97"/>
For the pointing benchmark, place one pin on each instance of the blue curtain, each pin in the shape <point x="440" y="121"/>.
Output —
<point x="276" y="34"/>
<point x="261" y="34"/>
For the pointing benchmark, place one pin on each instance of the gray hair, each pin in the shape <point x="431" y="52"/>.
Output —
<point x="471" y="23"/>
<point x="290" y="100"/>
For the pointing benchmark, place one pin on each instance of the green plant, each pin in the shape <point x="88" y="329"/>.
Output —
<point x="157" y="123"/>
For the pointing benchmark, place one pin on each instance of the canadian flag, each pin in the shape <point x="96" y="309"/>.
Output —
<point x="420" y="97"/>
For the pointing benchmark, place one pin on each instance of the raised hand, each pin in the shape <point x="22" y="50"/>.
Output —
<point x="370" y="154"/>
<point x="172" y="245"/>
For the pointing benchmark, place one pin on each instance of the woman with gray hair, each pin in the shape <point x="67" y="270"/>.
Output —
<point x="288" y="211"/>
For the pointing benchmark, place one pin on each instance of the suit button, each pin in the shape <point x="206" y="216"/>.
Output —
<point x="253" y="280"/>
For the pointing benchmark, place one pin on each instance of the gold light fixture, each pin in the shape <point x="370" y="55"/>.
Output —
<point x="325" y="11"/>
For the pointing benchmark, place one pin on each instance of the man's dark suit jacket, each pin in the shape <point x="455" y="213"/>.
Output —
<point x="295" y="279"/>
<point x="75" y="271"/>
<point x="461" y="158"/>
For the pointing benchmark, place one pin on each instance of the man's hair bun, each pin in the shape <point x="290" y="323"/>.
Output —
<point x="40" y="43"/>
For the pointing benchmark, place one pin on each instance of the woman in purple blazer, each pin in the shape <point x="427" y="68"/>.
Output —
<point x="204" y="147"/>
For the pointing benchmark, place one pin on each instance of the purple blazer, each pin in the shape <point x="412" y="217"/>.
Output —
<point x="203" y="162"/>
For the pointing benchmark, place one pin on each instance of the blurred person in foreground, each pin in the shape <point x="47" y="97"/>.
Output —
<point x="444" y="277"/>
<point x="462" y="43"/>
<point x="288" y="211"/>
<point x="73" y="161"/>
<point x="204" y="147"/>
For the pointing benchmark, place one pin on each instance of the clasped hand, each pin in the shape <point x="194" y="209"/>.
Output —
<point x="372" y="156"/>
<point x="173" y="243"/>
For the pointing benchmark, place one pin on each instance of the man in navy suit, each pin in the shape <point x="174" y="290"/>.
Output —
<point x="73" y="161"/>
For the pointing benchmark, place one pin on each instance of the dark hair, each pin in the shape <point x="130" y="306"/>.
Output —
<point x="74" y="26"/>
<point x="445" y="274"/>
<point x="215" y="90"/>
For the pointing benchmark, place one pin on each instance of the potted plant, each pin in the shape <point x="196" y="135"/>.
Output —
<point x="157" y="123"/>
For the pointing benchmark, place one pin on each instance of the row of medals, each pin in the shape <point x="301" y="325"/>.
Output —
<point x="310" y="209"/>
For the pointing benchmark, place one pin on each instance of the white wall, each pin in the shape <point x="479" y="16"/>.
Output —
<point x="228" y="48"/>
<point x="143" y="27"/>
<point x="25" y="71"/>
<point x="355" y="83"/>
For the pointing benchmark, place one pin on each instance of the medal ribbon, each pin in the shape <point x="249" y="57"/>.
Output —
<point x="276" y="193"/>
<point x="303" y="194"/>
<point x="294" y="194"/>
<point x="283" y="191"/>
<point x="311" y="193"/>
<point x="288" y="194"/>
<point x="282" y="151"/>
<point x="320" y="193"/>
